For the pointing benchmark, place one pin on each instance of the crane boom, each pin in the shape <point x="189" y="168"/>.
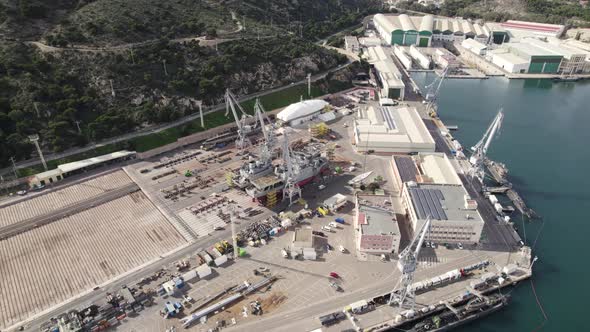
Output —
<point x="231" y="103"/>
<point x="407" y="264"/>
<point x="480" y="149"/>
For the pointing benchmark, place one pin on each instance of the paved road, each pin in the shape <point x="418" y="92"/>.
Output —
<point x="156" y="129"/>
<point x="25" y="225"/>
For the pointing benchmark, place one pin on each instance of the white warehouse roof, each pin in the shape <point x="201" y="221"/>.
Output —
<point x="69" y="167"/>
<point x="390" y="130"/>
<point x="301" y="109"/>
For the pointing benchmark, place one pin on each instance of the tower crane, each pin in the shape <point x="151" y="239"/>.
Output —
<point x="433" y="92"/>
<point x="231" y="103"/>
<point x="403" y="293"/>
<point x="480" y="149"/>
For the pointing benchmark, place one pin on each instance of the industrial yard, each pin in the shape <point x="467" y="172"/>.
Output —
<point x="285" y="223"/>
<point x="74" y="254"/>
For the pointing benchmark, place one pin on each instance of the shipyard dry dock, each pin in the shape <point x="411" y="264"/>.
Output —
<point x="110" y="228"/>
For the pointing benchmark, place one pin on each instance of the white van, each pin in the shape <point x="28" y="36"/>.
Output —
<point x="342" y="249"/>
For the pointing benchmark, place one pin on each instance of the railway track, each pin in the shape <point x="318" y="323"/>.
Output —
<point x="31" y="223"/>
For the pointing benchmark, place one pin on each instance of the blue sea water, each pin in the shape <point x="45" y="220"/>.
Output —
<point x="545" y="143"/>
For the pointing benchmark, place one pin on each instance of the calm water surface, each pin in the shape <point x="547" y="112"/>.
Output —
<point x="545" y="142"/>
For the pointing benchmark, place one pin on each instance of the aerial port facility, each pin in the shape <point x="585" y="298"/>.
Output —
<point x="352" y="211"/>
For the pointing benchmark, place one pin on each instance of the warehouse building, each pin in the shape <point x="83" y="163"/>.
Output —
<point x="405" y="30"/>
<point x="422" y="30"/>
<point x="301" y="112"/>
<point x="553" y="30"/>
<point x="454" y="214"/>
<point x="389" y="130"/>
<point x="508" y="61"/>
<point x="389" y="79"/>
<point x="540" y="60"/>
<point x="425" y="167"/>
<point x="474" y="46"/>
<point x="77" y="167"/>
<point x="574" y="60"/>
<point x="422" y="60"/>
<point x="378" y="228"/>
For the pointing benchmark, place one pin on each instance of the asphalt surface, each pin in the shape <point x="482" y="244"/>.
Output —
<point x="28" y="224"/>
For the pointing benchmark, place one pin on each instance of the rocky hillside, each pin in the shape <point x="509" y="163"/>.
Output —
<point x="49" y="92"/>
<point x="112" y="66"/>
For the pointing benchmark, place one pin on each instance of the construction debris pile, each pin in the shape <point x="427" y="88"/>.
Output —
<point x="259" y="231"/>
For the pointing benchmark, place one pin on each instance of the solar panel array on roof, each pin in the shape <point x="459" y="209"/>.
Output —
<point x="388" y="118"/>
<point x="427" y="203"/>
<point x="407" y="169"/>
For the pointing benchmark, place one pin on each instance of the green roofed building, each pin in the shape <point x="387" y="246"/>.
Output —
<point x="422" y="30"/>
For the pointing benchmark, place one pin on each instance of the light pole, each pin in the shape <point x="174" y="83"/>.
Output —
<point x="35" y="140"/>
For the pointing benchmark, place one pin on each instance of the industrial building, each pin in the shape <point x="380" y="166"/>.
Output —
<point x="422" y="60"/>
<point x="422" y="30"/>
<point x="64" y="170"/>
<point x="454" y="214"/>
<point x="385" y="73"/>
<point x="378" y="229"/>
<point x="574" y="60"/>
<point x="429" y="167"/>
<point x="474" y="46"/>
<point x="301" y="112"/>
<point x="390" y="130"/>
<point x="389" y="79"/>
<point x="553" y="30"/>
<point x="508" y="61"/>
<point x="513" y="56"/>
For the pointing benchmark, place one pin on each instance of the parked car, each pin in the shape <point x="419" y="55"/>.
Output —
<point x="218" y="228"/>
<point x="460" y="245"/>
<point x="334" y="275"/>
<point x="342" y="249"/>
<point x="318" y="233"/>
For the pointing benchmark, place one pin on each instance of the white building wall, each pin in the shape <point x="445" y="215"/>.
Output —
<point x="420" y="58"/>
<point x="402" y="56"/>
<point x="444" y="231"/>
<point x="509" y="66"/>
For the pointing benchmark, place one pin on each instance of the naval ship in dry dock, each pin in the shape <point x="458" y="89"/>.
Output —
<point x="447" y="320"/>
<point x="307" y="164"/>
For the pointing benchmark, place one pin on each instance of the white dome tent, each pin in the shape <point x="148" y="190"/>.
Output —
<point x="303" y="111"/>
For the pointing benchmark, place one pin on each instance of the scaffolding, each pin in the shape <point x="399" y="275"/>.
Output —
<point x="271" y="199"/>
<point x="229" y="176"/>
<point x="319" y="130"/>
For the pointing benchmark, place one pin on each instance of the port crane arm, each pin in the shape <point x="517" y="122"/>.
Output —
<point x="260" y="113"/>
<point x="407" y="264"/>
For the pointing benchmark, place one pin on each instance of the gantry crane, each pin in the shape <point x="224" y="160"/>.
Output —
<point x="403" y="293"/>
<point x="291" y="190"/>
<point x="480" y="149"/>
<point x="231" y="103"/>
<point x="268" y="146"/>
<point x="431" y="97"/>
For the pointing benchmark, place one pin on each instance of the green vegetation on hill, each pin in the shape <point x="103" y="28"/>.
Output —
<point x="317" y="19"/>
<point x="128" y="21"/>
<point x="545" y="11"/>
<point x="47" y="94"/>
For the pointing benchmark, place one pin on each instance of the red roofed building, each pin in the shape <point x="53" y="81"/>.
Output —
<point x="538" y="28"/>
